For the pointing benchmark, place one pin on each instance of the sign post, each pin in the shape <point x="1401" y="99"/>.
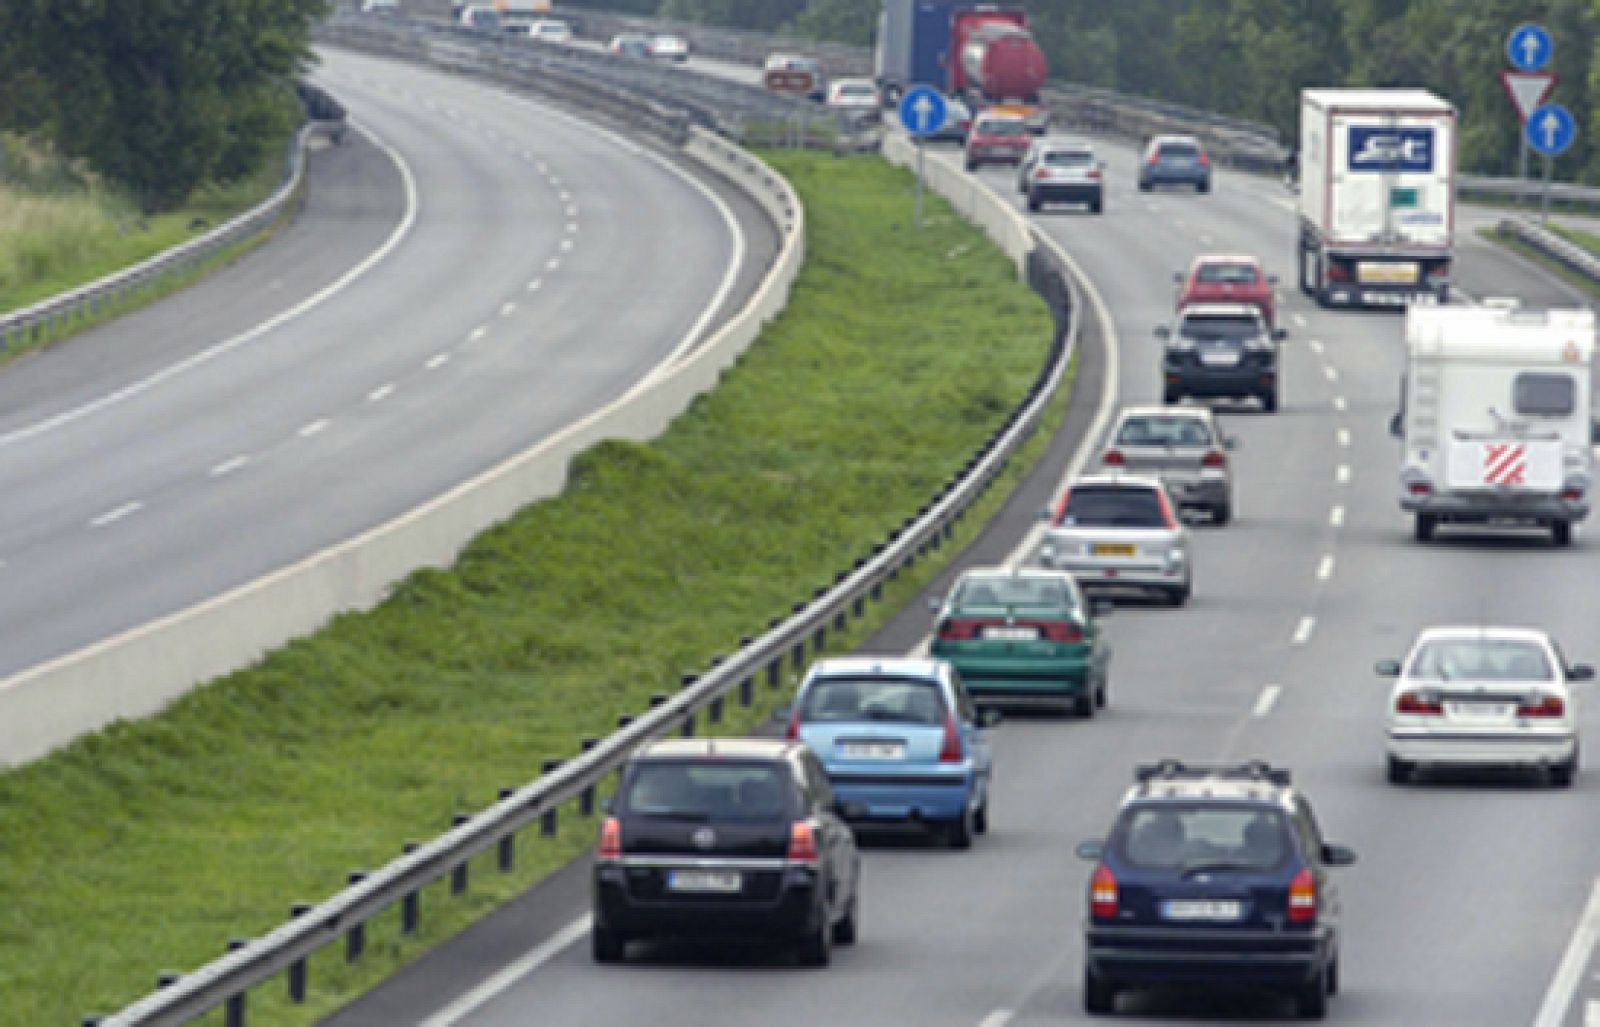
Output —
<point x="922" y="112"/>
<point x="1550" y="130"/>
<point x="1528" y="48"/>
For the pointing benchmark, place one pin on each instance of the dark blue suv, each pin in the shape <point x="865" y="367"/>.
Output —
<point x="1213" y="876"/>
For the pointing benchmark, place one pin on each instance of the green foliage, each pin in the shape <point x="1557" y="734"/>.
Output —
<point x="843" y="21"/>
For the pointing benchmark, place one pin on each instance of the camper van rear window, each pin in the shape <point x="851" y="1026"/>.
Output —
<point x="1544" y="395"/>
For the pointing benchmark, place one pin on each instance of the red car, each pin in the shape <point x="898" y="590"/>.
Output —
<point x="1224" y="279"/>
<point x="997" y="139"/>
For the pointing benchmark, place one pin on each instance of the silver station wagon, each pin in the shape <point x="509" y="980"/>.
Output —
<point x="1184" y="447"/>
<point x="1119" y="531"/>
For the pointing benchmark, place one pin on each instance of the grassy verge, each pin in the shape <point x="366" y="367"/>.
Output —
<point x="149" y="845"/>
<point x="1555" y="267"/>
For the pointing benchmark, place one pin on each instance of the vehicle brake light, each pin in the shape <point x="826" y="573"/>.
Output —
<point x="1303" y="898"/>
<point x="1058" y="631"/>
<point x="1542" y="706"/>
<point x="802" y="843"/>
<point x="950" y="751"/>
<point x="1204" y="160"/>
<point x="1572" y="495"/>
<point x="1155" y="158"/>
<point x="1214" y="458"/>
<point x="1338" y="273"/>
<point x="1419" y="488"/>
<point x="958" y="630"/>
<point x="1424" y="704"/>
<point x="1103" y="893"/>
<point x="1093" y="174"/>
<point x="610" y="846"/>
<point x="1060" y="511"/>
<point x="1042" y="173"/>
<point x="1167" y="513"/>
<point x="1113" y="458"/>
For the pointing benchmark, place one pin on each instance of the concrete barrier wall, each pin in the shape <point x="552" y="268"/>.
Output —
<point x="138" y="673"/>
<point x="1000" y="221"/>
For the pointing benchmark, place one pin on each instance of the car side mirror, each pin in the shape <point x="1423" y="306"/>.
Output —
<point x="1337" y="855"/>
<point x="1163" y="332"/>
<point x="1102" y="607"/>
<point x="1092" y="850"/>
<point x="988" y="716"/>
<point x="1279" y="334"/>
<point x="1387" y="668"/>
<point x="1395" y="425"/>
<point x="1580" y="672"/>
<point x="1045" y="513"/>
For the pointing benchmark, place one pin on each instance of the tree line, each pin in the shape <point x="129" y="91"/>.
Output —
<point x="157" y="96"/>
<point x="1250" y="58"/>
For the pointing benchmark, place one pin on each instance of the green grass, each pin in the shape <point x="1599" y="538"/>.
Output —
<point x="147" y="846"/>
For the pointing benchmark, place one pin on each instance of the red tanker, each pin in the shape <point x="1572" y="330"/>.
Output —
<point x="998" y="61"/>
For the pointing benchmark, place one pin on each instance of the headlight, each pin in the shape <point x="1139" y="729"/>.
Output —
<point x="1176" y="556"/>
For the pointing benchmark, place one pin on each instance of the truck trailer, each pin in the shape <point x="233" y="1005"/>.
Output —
<point x="1377" y="196"/>
<point x="981" y="52"/>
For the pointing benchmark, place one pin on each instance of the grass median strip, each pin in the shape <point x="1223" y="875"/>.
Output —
<point x="147" y="846"/>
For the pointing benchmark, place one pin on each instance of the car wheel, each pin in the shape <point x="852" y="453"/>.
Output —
<point x="1561" y="532"/>
<point x="1034" y="204"/>
<point x="1562" y="774"/>
<point x="1083" y="706"/>
<point x="1171" y="397"/>
<point x="607" y="945"/>
<point x="816" y="948"/>
<point x="1333" y="975"/>
<point x="1097" y="205"/>
<point x="1311" y="1001"/>
<point x="1203" y="187"/>
<point x="1221" y="514"/>
<point x="958" y="832"/>
<point x="1179" y="596"/>
<point x="1100" y="695"/>
<point x="1399" y="770"/>
<point x="1144" y="187"/>
<point x="844" y="932"/>
<point x="980" y="818"/>
<point x="1269" y="401"/>
<point x="1098" y="994"/>
<point x="1424" y="527"/>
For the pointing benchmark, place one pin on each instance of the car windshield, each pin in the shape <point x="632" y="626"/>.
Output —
<point x="1113" y="507"/>
<point x="896" y="700"/>
<point x="1068" y="158"/>
<point x="1013" y="590"/>
<point x="1196" y="838"/>
<point x="1164" y="431"/>
<point x="720" y="790"/>
<point x="856" y="92"/>
<point x="1209" y="327"/>
<point x="1002" y="128"/>
<point x="1226" y="274"/>
<point x="1481" y="659"/>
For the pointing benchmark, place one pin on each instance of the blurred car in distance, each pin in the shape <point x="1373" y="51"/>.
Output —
<point x="1175" y="160"/>
<point x="629" y="44"/>
<point x="668" y="46"/>
<point x="551" y="30"/>
<point x="997" y="139"/>
<point x="1062" y="171"/>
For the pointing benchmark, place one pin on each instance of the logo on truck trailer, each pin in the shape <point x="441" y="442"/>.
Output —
<point x="1379" y="148"/>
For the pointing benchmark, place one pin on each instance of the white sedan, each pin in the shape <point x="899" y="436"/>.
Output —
<point x="1483" y="697"/>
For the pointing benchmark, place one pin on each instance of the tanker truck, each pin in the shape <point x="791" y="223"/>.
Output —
<point x="980" y="52"/>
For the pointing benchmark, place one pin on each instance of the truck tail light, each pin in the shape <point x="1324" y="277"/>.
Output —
<point x="1303" y="898"/>
<point x="1572" y="495"/>
<point x="1103" y="893"/>
<point x="1422" y="704"/>
<point x="1538" y="705"/>
<point x="950" y="751"/>
<point x="610" y="846"/>
<point x="1338" y="272"/>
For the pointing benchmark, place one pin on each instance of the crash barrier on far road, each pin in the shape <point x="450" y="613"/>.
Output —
<point x="1563" y="251"/>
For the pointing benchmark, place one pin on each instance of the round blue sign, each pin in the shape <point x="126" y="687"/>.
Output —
<point x="1529" y="47"/>
<point x="1550" y="129"/>
<point x="923" y="110"/>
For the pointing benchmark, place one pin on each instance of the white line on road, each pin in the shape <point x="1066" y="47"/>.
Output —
<point x="1591" y="1014"/>
<point x="1339" y="404"/>
<point x="507" y="309"/>
<point x="566" y="197"/>
<point x="229" y="465"/>
<point x="314" y="428"/>
<point x="1330" y="372"/>
<point x="566" y="244"/>
<point x="542" y="168"/>
<point x="552" y="263"/>
<point x="113" y="516"/>
<point x="1336" y="517"/>
<point x="381" y="393"/>
<point x="1269" y="695"/>
<point x="998" y="1018"/>
<point x="572" y="226"/>
<point x="477" y="333"/>
<point x="1300" y="322"/>
<point x="1342" y="475"/>
<point x="572" y="211"/>
<point x="509" y="975"/>
<point x="437" y="361"/>
<point x="536" y="285"/>
<point x="1325" y="568"/>
<point x="1343" y="436"/>
<point x="1302" y="631"/>
<point x="1316" y="346"/>
<point x="1558" y="999"/>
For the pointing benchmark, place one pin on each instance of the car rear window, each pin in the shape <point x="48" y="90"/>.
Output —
<point x="1192" y="837"/>
<point x="1002" y="128"/>
<point x="1068" y="158"/>
<point x="1008" y="590"/>
<point x="719" y="790"/>
<point x="1481" y="659"/>
<point x="1180" y="150"/>
<point x="1544" y="395"/>
<point x="892" y="700"/>
<point x="1164" y="431"/>
<point x="1226" y="274"/>
<point x="1113" y="507"/>
<point x="1220" y="326"/>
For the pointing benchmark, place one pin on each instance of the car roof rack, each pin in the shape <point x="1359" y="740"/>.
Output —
<point x="1178" y="770"/>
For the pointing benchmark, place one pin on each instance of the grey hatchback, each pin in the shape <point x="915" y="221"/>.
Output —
<point x="1184" y="447"/>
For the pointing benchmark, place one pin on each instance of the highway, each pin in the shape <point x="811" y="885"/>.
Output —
<point x="1470" y="903"/>
<point x="472" y="272"/>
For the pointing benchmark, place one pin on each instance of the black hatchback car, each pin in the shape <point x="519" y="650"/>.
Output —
<point x="1213" y="875"/>
<point x="725" y="838"/>
<point x="1220" y="351"/>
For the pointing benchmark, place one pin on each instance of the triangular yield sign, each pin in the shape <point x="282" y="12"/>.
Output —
<point x="1527" y="89"/>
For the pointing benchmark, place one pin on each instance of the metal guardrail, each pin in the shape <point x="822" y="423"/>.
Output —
<point x="30" y="324"/>
<point x="1563" y="251"/>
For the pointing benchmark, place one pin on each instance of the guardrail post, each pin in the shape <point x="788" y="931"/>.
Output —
<point x="586" y="797"/>
<point x="506" y="850"/>
<point x="411" y="904"/>
<point x="355" y="940"/>
<point x="233" y="1010"/>
<point x="714" y="711"/>
<point x="167" y="978"/>
<point x="547" y="822"/>
<point x="297" y="969"/>
<point x="819" y="638"/>
<point x="746" y="692"/>
<point x="458" y="874"/>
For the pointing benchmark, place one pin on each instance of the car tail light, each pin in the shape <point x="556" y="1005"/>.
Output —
<point x="1338" y="273"/>
<point x="1060" y="511"/>
<point x="1419" y="488"/>
<point x="1113" y="458"/>
<point x="1425" y="704"/>
<point x="1093" y="174"/>
<point x="1572" y="495"/>
<point x="1155" y="158"/>
<point x="1061" y="631"/>
<point x="610" y="846"/>
<point x="958" y="629"/>
<point x="1167" y="513"/>
<point x="950" y="751"/>
<point x="1542" y="706"/>
<point x="1103" y="893"/>
<point x="792" y="732"/>
<point x="1204" y="160"/>
<point x="1041" y="174"/>
<point x="802" y="843"/>
<point x="1214" y="458"/>
<point x="1303" y="898"/>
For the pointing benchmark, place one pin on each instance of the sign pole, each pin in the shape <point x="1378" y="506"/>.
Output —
<point x="920" y="149"/>
<point x="1544" y="212"/>
<point x="1522" y="160"/>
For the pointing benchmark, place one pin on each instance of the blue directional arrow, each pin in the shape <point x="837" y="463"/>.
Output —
<point x="922" y="110"/>
<point x="1550" y="129"/>
<point x="1529" y="47"/>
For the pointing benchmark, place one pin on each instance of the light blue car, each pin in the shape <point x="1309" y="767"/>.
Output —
<point x="901" y="740"/>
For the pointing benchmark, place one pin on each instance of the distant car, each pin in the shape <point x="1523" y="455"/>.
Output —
<point x="902" y="741"/>
<point x="1024" y="635"/>
<point x="854" y="94"/>
<point x="1062" y="171"/>
<point x="380" y="6"/>
<point x="668" y="46"/>
<point x="1119" y="531"/>
<point x="551" y="30"/>
<point x="957" y="122"/>
<point x="1175" y="160"/>
<point x="1220" y="351"/>
<point x="1213" y="876"/>
<point x="1184" y="447"/>
<point x="1215" y="278"/>
<point x="481" y="18"/>
<point x="630" y="44"/>
<point x="1482" y="697"/>
<point x="726" y="838"/>
<point x="997" y="139"/>
<point x="795" y="74"/>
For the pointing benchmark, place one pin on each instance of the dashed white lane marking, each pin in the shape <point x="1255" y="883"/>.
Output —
<point x="1339" y="404"/>
<point x="1330" y="372"/>
<point x="229" y="465"/>
<point x="1343" y="435"/>
<point x="1316" y="346"/>
<point x="572" y="210"/>
<point x="1591" y="1014"/>
<point x="552" y="263"/>
<point x="381" y="393"/>
<point x="477" y="333"/>
<point x="536" y="285"/>
<point x="1336" y="517"/>
<point x="566" y="244"/>
<point x="1205" y="240"/>
<point x="542" y="167"/>
<point x="113" y="516"/>
<point x="437" y="361"/>
<point x="1300" y="322"/>
<point x="1325" y="568"/>
<point x="507" y="309"/>
<point x="998" y="1018"/>
<point x="566" y="197"/>
<point x="314" y="428"/>
<point x="1269" y="695"/>
<point x="1342" y="475"/>
<point x="1302" y="631"/>
<point x="1563" y="987"/>
<point x="572" y="226"/>
<point x="509" y="975"/>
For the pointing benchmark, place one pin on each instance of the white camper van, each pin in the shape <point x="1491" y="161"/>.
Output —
<point x="1494" y="417"/>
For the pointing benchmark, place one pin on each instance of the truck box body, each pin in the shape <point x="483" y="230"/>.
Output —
<point x="914" y="43"/>
<point x="1377" y="193"/>
<point x="1495" y="416"/>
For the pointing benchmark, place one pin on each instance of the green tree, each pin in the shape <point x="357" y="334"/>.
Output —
<point x="841" y="21"/>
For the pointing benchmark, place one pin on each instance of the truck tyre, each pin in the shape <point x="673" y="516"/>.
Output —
<point x="1221" y="514"/>
<point x="1098" y="994"/>
<point x="1425" y="525"/>
<point x="1203" y="187"/>
<point x="1305" y="269"/>
<point x="1561" y="532"/>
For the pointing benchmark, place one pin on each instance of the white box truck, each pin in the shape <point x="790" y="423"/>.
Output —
<point x="1377" y="195"/>
<point x="1495" y="417"/>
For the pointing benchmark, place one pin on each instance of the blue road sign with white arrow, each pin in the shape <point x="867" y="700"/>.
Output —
<point x="1550" y="129"/>
<point x="922" y="110"/>
<point x="1529" y="47"/>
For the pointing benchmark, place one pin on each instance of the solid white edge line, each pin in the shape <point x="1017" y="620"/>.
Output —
<point x="210" y="353"/>
<point x="1302" y="631"/>
<point x="510" y="974"/>
<point x="1591" y="1013"/>
<point x="1558" y="998"/>
<point x="1269" y="695"/>
<point x="998" y="1018"/>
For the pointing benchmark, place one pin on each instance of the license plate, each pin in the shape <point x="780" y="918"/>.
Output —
<point x="718" y="882"/>
<point x="1202" y="909"/>
<point x="872" y="750"/>
<point x="1482" y="710"/>
<point x="1219" y="358"/>
<point x="1386" y="273"/>
<point x="1011" y="634"/>
<point x="1112" y="549"/>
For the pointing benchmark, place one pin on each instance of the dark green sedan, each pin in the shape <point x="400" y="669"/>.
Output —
<point x="1024" y="637"/>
